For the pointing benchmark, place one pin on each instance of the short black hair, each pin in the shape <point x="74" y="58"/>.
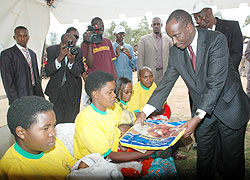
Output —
<point x="96" y="80"/>
<point x="20" y="27"/>
<point x="71" y="29"/>
<point x="64" y="37"/>
<point x="23" y="112"/>
<point x="95" y="19"/>
<point x="156" y="18"/>
<point x="180" y="15"/>
<point x="120" y="83"/>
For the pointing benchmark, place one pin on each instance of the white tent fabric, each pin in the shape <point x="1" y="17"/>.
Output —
<point x="30" y="13"/>
<point x="246" y="30"/>
<point x="67" y="10"/>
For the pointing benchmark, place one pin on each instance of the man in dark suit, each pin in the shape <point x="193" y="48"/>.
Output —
<point x="19" y="68"/>
<point x="220" y="106"/>
<point x="65" y="85"/>
<point x="203" y="15"/>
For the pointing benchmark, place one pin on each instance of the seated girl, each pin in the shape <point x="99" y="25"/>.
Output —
<point x="96" y="127"/>
<point x="123" y="91"/>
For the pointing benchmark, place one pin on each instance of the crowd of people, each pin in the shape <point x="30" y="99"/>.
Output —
<point x="206" y="56"/>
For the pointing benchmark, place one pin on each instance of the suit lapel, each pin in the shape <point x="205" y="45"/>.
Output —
<point x="152" y="39"/>
<point x="20" y="54"/>
<point x="200" y="51"/>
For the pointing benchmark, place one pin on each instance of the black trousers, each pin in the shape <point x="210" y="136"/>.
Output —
<point x="66" y="110"/>
<point x="208" y="133"/>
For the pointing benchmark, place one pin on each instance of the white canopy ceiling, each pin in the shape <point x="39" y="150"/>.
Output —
<point x="67" y="10"/>
<point x="35" y="14"/>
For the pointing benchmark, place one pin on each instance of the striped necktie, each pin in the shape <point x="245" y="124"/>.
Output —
<point x="28" y="58"/>
<point x="192" y="56"/>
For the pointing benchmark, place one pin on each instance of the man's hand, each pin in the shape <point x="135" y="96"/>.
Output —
<point x="126" y="51"/>
<point x="63" y="53"/>
<point x="190" y="126"/>
<point x="86" y="37"/>
<point x="118" y="51"/>
<point x="140" y="118"/>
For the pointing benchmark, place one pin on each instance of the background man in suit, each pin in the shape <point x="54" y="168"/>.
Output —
<point x="221" y="107"/>
<point x="65" y="85"/>
<point x="19" y="68"/>
<point x="203" y="15"/>
<point x="153" y="50"/>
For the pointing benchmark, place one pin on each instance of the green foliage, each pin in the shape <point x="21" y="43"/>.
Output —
<point x="53" y="38"/>
<point x="247" y="21"/>
<point x="132" y="36"/>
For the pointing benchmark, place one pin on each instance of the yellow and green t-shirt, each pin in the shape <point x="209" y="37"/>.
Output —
<point x="96" y="132"/>
<point x="140" y="97"/>
<point x="54" y="164"/>
<point x="124" y="116"/>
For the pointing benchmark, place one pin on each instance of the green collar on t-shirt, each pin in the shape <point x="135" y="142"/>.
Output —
<point x="124" y="103"/>
<point x="144" y="87"/>
<point x="97" y="110"/>
<point x="27" y="154"/>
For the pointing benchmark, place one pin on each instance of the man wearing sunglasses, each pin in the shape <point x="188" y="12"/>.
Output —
<point x="203" y="15"/>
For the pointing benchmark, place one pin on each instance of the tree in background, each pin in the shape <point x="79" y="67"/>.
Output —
<point x="143" y="29"/>
<point x="218" y="15"/>
<point x="247" y="21"/>
<point x="132" y="36"/>
<point x="53" y="38"/>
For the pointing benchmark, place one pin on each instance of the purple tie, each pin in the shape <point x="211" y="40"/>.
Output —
<point x="28" y="58"/>
<point x="192" y="56"/>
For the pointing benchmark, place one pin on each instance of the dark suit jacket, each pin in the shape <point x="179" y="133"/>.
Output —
<point x="214" y="87"/>
<point x="16" y="76"/>
<point x="231" y="29"/>
<point x="73" y="76"/>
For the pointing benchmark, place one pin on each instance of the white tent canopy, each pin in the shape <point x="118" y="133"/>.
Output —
<point x="35" y="14"/>
<point x="85" y="10"/>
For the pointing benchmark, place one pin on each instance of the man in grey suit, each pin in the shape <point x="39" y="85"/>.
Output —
<point x="153" y="50"/>
<point x="220" y="106"/>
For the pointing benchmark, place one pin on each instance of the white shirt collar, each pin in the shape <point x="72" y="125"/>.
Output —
<point x="21" y="49"/>
<point x="194" y="42"/>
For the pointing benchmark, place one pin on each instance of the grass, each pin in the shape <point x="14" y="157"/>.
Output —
<point x="187" y="168"/>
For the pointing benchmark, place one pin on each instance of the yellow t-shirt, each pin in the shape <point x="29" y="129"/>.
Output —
<point x="95" y="132"/>
<point x="54" y="164"/>
<point x="124" y="116"/>
<point x="140" y="97"/>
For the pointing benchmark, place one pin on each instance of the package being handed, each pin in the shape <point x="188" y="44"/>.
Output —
<point x="154" y="135"/>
